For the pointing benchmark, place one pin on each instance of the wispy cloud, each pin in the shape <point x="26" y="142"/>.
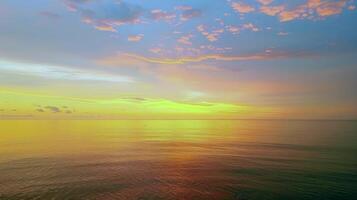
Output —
<point x="250" y="26"/>
<point x="134" y="58"/>
<point x="190" y="13"/>
<point x="186" y="39"/>
<point x="159" y="14"/>
<point x="135" y="38"/>
<point x="60" y="73"/>
<point x="265" y="2"/>
<point x="106" y="15"/>
<point x="210" y="35"/>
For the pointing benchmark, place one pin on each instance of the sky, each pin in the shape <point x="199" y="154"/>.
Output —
<point x="178" y="59"/>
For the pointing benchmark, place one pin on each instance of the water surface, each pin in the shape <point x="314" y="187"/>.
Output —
<point x="193" y="159"/>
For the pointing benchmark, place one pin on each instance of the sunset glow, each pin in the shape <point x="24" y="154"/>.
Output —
<point x="112" y="59"/>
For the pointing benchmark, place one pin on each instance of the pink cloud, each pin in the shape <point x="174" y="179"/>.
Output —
<point x="210" y="35"/>
<point x="162" y="15"/>
<point x="190" y="14"/>
<point x="265" y="2"/>
<point x="155" y="50"/>
<point x="250" y="26"/>
<point x="186" y="39"/>
<point x="233" y="29"/>
<point x="122" y="13"/>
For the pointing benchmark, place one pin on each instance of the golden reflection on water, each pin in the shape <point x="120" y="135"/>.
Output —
<point x="46" y="138"/>
<point x="158" y="159"/>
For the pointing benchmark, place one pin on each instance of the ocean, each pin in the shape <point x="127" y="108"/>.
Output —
<point x="178" y="159"/>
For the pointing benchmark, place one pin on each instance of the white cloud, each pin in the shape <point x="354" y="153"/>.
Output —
<point x="61" y="73"/>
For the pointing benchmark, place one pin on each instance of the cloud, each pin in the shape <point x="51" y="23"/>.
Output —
<point x="72" y="5"/>
<point x="162" y="15"/>
<point x="312" y="9"/>
<point x="106" y="15"/>
<point x="351" y="7"/>
<point x="135" y="38"/>
<point x="183" y="7"/>
<point x="233" y="29"/>
<point x="210" y="35"/>
<point x="236" y="30"/>
<point x="185" y="39"/>
<point x="288" y="15"/>
<point x="242" y="7"/>
<point x="40" y="110"/>
<point x="190" y="14"/>
<point x="54" y="109"/>
<point x="156" y="50"/>
<point x="330" y="8"/>
<point x="60" y="73"/>
<point x="134" y="59"/>
<point x="265" y="2"/>
<point x="272" y="10"/>
<point x="250" y="26"/>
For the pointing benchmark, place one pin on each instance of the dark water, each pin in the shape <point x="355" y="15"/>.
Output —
<point x="178" y="159"/>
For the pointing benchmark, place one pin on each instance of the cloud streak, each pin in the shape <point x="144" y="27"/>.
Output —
<point x="60" y="73"/>
<point x="106" y="15"/>
<point x="135" y="38"/>
<point x="134" y="58"/>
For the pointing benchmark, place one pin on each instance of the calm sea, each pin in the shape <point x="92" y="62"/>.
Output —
<point x="156" y="159"/>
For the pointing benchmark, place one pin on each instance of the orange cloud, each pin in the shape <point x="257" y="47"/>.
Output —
<point x="122" y="13"/>
<point x="126" y="58"/>
<point x="105" y="28"/>
<point x="242" y="8"/>
<point x="288" y="15"/>
<point x="272" y="10"/>
<point x="135" y="38"/>
<point x="330" y="8"/>
<point x="309" y="10"/>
